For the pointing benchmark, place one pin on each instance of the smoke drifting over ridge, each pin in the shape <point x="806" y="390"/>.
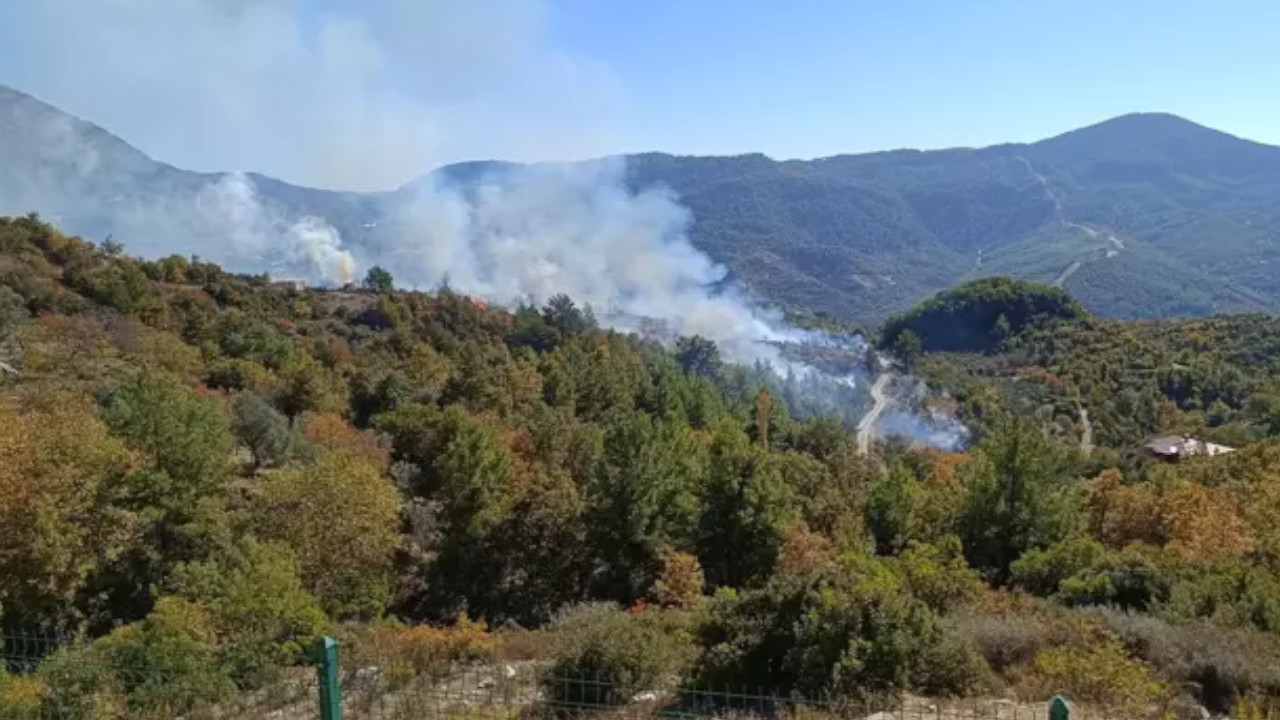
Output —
<point x="234" y="226"/>
<point x="367" y="101"/>
<point x="364" y="100"/>
<point x="527" y="233"/>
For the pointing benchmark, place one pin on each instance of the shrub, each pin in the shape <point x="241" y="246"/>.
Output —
<point x="1256" y="709"/>
<point x="517" y="643"/>
<point x="1131" y="579"/>
<point x="851" y="629"/>
<point x="1011" y="639"/>
<point x="20" y="696"/>
<point x="1101" y="673"/>
<point x="952" y="665"/>
<point x="402" y="653"/>
<point x="937" y="574"/>
<point x="603" y="656"/>
<point x="1224" y="666"/>
<point x="1041" y="572"/>
<point x="165" y="664"/>
<point x="1236" y="596"/>
<point x="263" y="618"/>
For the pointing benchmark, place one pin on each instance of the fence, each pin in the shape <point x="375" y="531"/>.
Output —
<point x="49" y="678"/>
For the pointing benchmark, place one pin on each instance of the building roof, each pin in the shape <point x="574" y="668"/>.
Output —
<point x="1179" y="446"/>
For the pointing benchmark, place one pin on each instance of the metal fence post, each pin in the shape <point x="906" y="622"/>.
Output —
<point x="327" y="674"/>
<point x="1059" y="708"/>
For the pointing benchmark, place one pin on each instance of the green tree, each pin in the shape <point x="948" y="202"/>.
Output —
<point x="563" y="314"/>
<point x="265" y="431"/>
<point x="1002" y="330"/>
<point x="471" y="485"/>
<point x="699" y="356"/>
<point x="179" y="494"/>
<point x="894" y="509"/>
<point x="184" y="435"/>
<point x="643" y="501"/>
<point x="378" y="279"/>
<point x="1018" y="496"/>
<point x="309" y="385"/>
<point x="907" y="348"/>
<point x="746" y="511"/>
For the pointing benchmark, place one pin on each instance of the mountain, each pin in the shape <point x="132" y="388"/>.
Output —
<point x="1164" y="217"/>
<point x="94" y="184"/>
<point x="1139" y="216"/>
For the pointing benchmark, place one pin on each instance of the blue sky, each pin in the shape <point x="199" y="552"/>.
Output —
<point x="815" y="77"/>
<point x="366" y="94"/>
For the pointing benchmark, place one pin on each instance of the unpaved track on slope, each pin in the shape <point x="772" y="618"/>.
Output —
<point x="1066" y="274"/>
<point x="880" y="401"/>
<point x="1071" y="269"/>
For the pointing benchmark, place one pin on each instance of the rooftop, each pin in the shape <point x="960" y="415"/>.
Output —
<point x="1178" y="446"/>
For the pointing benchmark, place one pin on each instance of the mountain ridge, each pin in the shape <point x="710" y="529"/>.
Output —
<point x="1144" y="214"/>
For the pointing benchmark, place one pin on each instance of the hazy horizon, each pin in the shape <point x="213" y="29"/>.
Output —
<point x="363" y="96"/>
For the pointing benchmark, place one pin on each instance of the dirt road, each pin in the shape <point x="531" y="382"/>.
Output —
<point x="880" y="401"/>
<point x="1117" y="243"/>
<point x="1066" y="274"/>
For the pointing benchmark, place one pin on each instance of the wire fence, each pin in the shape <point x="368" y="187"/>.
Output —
<point x="522" y="690"/>
<point x="48" y="677"/>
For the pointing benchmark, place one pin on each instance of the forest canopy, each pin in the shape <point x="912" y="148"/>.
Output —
<point x="202" y="472"/>
<point x="979" y="315"/>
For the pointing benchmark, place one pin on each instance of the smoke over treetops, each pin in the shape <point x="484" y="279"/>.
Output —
<point x="365" y="100"/>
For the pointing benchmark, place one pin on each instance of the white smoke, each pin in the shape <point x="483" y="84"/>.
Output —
<point x="368" y="98"/>
<point x="306" y="248"/>
<point x="226" y="221"/>
<point x="934" y="429"/>
<point x="528" y="233"/>
<point x="362" y="95"/>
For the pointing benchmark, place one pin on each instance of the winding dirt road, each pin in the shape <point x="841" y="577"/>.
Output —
<point x="1117" y="243"/>
<point x="880" y="401"/>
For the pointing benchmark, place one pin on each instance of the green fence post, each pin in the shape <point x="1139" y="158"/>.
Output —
<point x="327" y="674"/>
<point x="1059" y="708"/>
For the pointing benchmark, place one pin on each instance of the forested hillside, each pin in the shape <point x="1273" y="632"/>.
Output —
<point x="202" y="472"/>
<point x="1214" y="377"/>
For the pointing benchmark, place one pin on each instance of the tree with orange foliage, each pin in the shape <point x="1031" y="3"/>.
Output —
<point x="332" y="432"/>
<point x="803" y="550"/>
<point x="1204" y="524"/>
<point x="680" y="582"/>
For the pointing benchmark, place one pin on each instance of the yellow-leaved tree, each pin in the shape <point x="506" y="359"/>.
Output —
<point x="340" y="516"/>
<point x="57" y="462"/>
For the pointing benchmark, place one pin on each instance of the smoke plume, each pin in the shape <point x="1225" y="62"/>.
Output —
<point x="366" y="99"/>
<point x="525" y="233"/>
